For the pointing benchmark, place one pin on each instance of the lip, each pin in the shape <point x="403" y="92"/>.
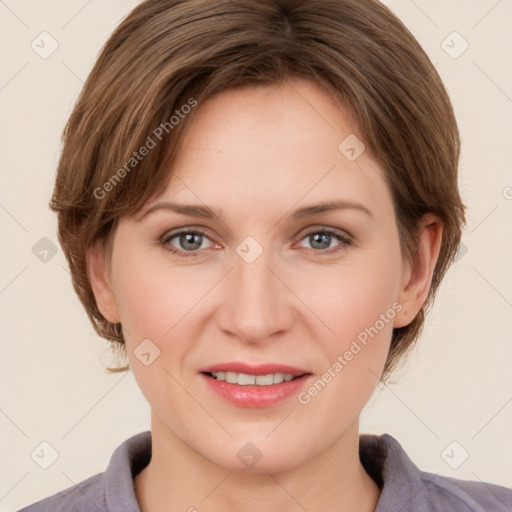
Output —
<point x="259" y="369"/>
<point x="255" y="396"/>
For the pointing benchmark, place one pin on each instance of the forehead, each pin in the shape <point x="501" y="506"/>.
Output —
<point x="274" y="146"/>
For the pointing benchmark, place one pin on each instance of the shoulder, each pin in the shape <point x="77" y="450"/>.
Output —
<point x="465" y="495"/>
<point x="108" y="491"/>
<point x="86" y="496"/>
<point x="405" y="487"/>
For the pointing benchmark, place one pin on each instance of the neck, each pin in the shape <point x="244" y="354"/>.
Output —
<point x="178" y="478"/>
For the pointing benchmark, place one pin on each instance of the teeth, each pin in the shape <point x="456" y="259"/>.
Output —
<point x="244" y="379"/>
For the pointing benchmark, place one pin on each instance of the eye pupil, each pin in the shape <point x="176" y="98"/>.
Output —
<point x="322" y="238"/>
<point x="189" y="239"/>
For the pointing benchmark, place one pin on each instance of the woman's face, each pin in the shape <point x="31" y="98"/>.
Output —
<point x="265" y="282"/>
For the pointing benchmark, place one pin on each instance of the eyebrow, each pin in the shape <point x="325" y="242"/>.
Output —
<point x="207" y="212"/>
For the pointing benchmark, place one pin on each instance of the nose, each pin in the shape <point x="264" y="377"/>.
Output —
<point x="257" y="304"/>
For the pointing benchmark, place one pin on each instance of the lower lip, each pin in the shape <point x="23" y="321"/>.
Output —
<point x="256" y="396"/>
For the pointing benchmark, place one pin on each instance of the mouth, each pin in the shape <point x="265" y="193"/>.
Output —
<point x="255" y="386"/>
<point x="245" y="374"/>
<point x="246" y="379"/>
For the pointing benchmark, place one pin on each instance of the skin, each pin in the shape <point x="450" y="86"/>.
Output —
<point x="255" y="154"/>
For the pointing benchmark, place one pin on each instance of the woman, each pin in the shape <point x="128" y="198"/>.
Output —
<point x="258" y="202"/>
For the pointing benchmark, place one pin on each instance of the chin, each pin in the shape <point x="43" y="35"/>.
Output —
<point x="257" y="457"/>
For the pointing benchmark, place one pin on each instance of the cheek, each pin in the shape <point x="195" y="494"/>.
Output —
<point x="156" y="300"/>
<point x="145" y="297"/>
<point x="354" y="297"/>
<point x="141" y="307"/>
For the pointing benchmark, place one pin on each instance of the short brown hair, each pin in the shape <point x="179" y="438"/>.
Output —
<point x="170" y="53"/>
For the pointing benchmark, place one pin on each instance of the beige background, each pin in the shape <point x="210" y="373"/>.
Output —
<point x="457" y="385"/>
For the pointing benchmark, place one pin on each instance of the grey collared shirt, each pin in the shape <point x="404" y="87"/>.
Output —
<point x="404" y="487"/>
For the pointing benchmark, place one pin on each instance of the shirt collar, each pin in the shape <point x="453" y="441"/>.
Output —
<point x="400" y="480"/>
<point x="382" y="457"/>
<point x="126" y="462"/>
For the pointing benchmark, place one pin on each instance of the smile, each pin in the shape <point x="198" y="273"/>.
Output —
<point x="245" y="379"/>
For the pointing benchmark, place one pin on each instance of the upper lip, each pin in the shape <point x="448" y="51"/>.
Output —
<point x="251" y="369"/>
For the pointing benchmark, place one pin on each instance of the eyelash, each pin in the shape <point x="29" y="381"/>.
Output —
<point x="345" y="241"/>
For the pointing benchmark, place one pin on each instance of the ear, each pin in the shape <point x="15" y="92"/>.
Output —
<point x="98" y="268"/>
<point x="417" y="277"/>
